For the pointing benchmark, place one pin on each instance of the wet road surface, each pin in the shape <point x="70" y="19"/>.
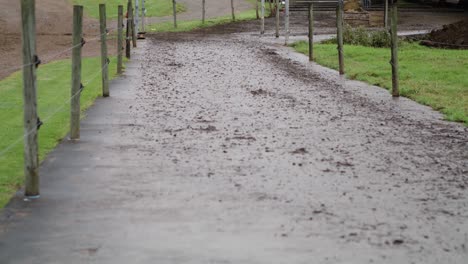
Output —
<point x="221" y="149"/>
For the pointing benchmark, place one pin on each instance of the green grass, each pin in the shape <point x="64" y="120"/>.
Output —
<point x="154" y="8"/>
<point x="53" y="93"/>
<point x="184" y="26"/>
<point x="433" y="77"/>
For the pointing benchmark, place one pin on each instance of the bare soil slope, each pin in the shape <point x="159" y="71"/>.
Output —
<point x="54" y="24"/>
<point x="53" y="16"/>
<point x="453" y="35"/>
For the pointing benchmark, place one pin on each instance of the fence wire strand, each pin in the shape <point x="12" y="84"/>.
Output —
<point x="56" y="111"/>
<point x="55" y="55"/>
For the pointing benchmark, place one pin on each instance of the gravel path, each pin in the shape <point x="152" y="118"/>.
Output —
<point x="219" y="149"/>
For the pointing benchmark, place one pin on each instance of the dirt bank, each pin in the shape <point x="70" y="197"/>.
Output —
<point x="450" y="36"/>
<point x="54" y="27"/>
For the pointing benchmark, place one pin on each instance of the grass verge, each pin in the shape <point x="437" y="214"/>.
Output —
<point x="154" y="8"/>
<point x="53" y="101"/>
<point x="185" y="26"/>
<point x="433" y="77"/>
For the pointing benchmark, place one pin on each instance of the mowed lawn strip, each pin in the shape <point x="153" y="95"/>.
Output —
<point x="54" y="109"/>
<point x="433" y="77"/>
<point x="154" y="8"/>
<point x="184" y="26"/>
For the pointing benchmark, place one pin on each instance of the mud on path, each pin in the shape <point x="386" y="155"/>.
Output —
<point x="218" y="149"/>
<point x="287" y="164"/>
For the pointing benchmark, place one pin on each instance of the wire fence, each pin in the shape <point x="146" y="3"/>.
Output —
<point x="62" y="106"/>
<point x="65" y="103"/>
<point x="31" y="92"/>
<point x="54" y="56"/>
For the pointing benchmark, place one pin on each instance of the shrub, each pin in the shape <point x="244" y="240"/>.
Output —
<point x="380" y="39"/>
<point x="363" y="37"/>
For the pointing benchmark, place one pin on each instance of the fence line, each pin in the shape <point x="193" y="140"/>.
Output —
<point x="49" y="58"/>
<point x="63" y="105"/>
<point x="33" y="123"/>
<point x="56" y="111"/>
<point x="95" y="37"/>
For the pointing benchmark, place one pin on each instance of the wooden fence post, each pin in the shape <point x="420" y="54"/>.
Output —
<point x="233" y="11"/>
<point x="127" y="33"/>
<point x="76" y="72"/>
<point x="30" y="60"/>
<point x="262" y="30"/>
<point x="394" y="60"/>
<point x="256" y="9"/>
<point x="286" y="18"/>
<point x="277" y="17"/>
<point x="386" y="14"/>
<point x="132" y="21"/>
<point x="104" y="58"/>
<point x="339" y="26"/>
<point x="174" y="12"/>
<point x="119" y="39"/>
<point x="137" y="16"/>
<point x="311" y="32"/>
<point x="203" y="11"/>
<point x="143" y="16"/>
<point x="271" y="10"/>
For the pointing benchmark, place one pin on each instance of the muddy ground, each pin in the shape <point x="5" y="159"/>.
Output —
<point x="216" y="148"/>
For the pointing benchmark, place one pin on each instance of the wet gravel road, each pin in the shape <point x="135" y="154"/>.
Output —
<point x="220" y="149"/>
<point x="299" y="165"/>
